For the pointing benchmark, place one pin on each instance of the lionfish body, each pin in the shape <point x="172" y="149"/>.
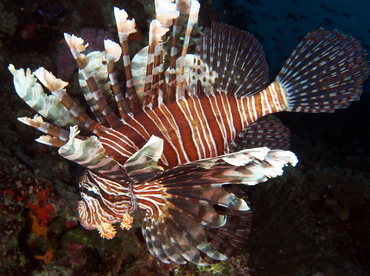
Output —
<point x="185" y="137"/>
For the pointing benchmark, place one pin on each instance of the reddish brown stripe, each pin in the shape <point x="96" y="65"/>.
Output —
<point x="212" y="122"/>
<point x="235" y="113"/>
<point x="162" y="122"/>
<point x="228" y="118"/>
<point x="186" y="131"/>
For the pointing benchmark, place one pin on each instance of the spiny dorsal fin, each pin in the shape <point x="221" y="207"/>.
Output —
<point x="113" y="53"/>
<point x="193" y="18"/>
<point x="229" y="60"/>
<point x="125" y="27"/>
<point x="56" y="87"/>
<point x="155" y="86"/>
<point x="33" y="94"/>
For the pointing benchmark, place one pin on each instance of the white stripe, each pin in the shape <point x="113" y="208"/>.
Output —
<point x="112" y="78"/>
<point x="207" y="132"/>
<point x="116" y="147"/>
<point x="126" y="60"/>
<point x="165" y="131"/>
<point x="189" y="118"/>
<point x="217" y="113"/>
<point x="229" y="118"/>
<point x="75" y="110"/>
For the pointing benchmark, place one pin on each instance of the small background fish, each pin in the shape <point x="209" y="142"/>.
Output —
<point x="281" y="24"/>
<point x="330" y="164"/>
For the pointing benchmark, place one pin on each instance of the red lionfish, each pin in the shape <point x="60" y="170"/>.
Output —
<point x="186" y="136"/>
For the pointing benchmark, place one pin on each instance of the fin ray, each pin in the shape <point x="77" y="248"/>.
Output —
<point x="324" y="72"/>
<point x="234" y="58"/>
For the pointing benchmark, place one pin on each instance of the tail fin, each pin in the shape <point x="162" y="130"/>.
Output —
<point x="324" y="72"/>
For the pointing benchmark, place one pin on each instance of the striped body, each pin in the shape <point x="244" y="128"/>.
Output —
<point x="179" y="141"/>
<point x="193" y="128"/>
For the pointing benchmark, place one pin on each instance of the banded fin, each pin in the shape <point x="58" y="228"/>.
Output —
<point x="194" y="213"/>
<point x="193" y="18"/>
<point x="91" y="154"/>
<point x="264" y="133"/>
<point x="56" y="87"/>
<point x="94" y="67"/>
<point x="113" y="53"/>
<point x="229" y="60"/>
<point x="236" y="220"/>
<point x="154" y="88"/>
<point x="50" y="141"/>
<point x="60" y="135"/>
<point x="94" y="77"/>
<point x="138" y="68"/>
<point x="33" y="94"/>
<point x="249" y="166"/>
<point x="205" y="219"/>
<point x="125" y="27"/>
<point x="324" y="72"/>
<point x="143" y="163"/>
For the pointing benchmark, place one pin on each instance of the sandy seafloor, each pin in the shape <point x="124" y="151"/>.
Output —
<point x="314" y="220"/>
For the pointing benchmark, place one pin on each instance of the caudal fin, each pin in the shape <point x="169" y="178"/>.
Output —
<point x="324" y="72"/>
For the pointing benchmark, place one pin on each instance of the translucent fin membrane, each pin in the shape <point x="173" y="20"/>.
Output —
<point x="229" y="60"/>
<point x="324" y="72"/>
<point x="205" y="218"/>
<point x="32" y="93"/>
<point x="265" y="133"/>
<point x="88" y="78"/>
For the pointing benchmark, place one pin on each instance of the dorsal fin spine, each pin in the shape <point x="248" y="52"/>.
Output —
<point x="193" y="18"/>
<point x="60" y="135"/>
<point x="147" y="98"/>
<point x="134" y="102"/>
<point x="156" y="31"/>
<point x="56" y="87"/>
<point x="113" y="53"/>
<point x="172" y="72"/>
<point x="126" y="27"/>
<point x="76" y="46"/>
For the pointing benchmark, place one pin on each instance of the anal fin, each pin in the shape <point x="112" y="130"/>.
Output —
<point x="263" y="133"/>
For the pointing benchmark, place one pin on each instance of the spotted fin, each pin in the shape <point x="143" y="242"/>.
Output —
<point x="264" y="133"/>
<point x="229" y="60"/>
<point x="324" y="72"/>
